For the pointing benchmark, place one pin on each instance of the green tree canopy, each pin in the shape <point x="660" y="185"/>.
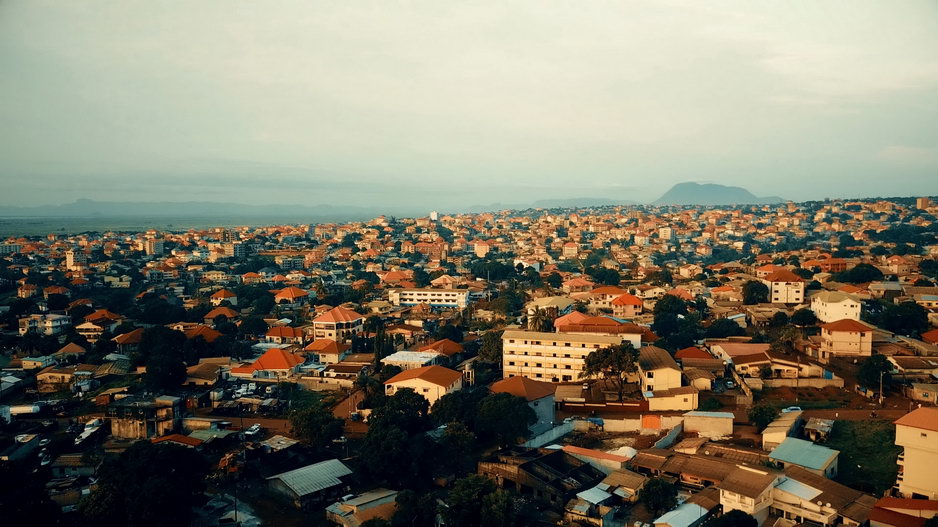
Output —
<point x="614" y="364"/>
<point x="658" y="495"/>
<point x="755" y="292"/>
<point x="761" y="415"/>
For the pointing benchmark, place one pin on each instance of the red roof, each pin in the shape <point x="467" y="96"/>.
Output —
<point x="223" y="293"/>
<point x="131" y="337"/>
<point x="326" y="346"/>
<point x="444" y="347"/>
<point x="609" y="290"/>
<point x="285" y="332"/>
<point x="595" y="454"/>
<point x="178" y="438"/>
<point x="692" y="353"/>
<point x="221" y="310"/>
<point x="433" y="374"/>
<point x="846" y="324"/>
<point x="523" y="387"/>
<point x="272" y="359"/>
<point x="338" y="314"/>
<point x="291" y="293"/>
<point x="783" y="275"/>
<point x="930" y="337"/>
<point x="627" y="300"/>
<point x="925" y="418"/>
<point x="205" y="332"/>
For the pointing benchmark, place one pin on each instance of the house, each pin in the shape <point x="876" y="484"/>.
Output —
<point x="781" y="428"/>
<point x="140" y="418"/>
<point x="223" y="295"/>
<point x="290" y="296"/>
<point x="830" y="306"/>
<point x="627" y="306"/>
<point x="70" y="350"/>
<point x="203" y="374"/>
<point x="435" y="298"/>
<point x="338" y="324"/>
<point x="53" y="379"/>
<point x="352" y="512"/>
<point x="657" y="370"/>
<point x="445" y="347"/>
<point x="602" y="297"/>
<point x="785" y="287"/>
<point x="551" y="306"/>
<point x="312" y="484"/>
<point x="432" y="382"/>
<point x="49" y="324"/>
<point x="578" y="324"/>
<point x="697" y="510"/>
<point x="128" y="342"/>
<point x="327" y="351"/>
<point x="917" y="434"/>
<point x="220" y="311"/>
<point x="803" y="497"/>
<point x="902" y="512"/>
<point x="807" y="455"/>
<point x="846" y="337"/>
<point x="709" y="424"/>
<point x="409" y="360"/>
<point x="73" y="465"/>
<point x="749" y="490"/>
<point x="275" y="363"/>
<point x="550" y="476"/>
<point x="285" y="335"/>
<point x="35" y="363"/>
<point x="539" y="395"/>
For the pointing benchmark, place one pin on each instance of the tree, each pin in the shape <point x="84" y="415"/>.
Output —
<point x="931" y="522"/>
<point x="761" y="415"/>
<point x="414" y="509"/>
<point x="461" y="406"/>
<point x="166" y="370"/>
<point x="503" y="418"/>
<point x="554" y="280"/>
<point x="458" y="450"/>
<point x="803" y="317"/>
<point x="449" y="331"/>
<point x="316" y="425"/>
<point x="779" y="319"/>
<point x="724" y="327"/>
<point x="147" y="485"/>
<point x="23" y="499"/>
<point x="859" y="274"/>
<point x="734" y="518"/>
<point x="406" y="409"/>
<point x="906" y="318"/>
<point x="869" y="371"/>
<point x="755" y="292"/>
<point x="475" y="500"/>
<point x="491" y="348"/>
<point x="658" y="495"/>
<point x="614" y="364"/>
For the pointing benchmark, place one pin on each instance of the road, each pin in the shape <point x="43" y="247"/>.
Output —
<point x="344" y="409"/>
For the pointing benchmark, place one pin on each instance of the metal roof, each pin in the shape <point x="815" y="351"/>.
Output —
<point x="313" y="478"/>
<point x="803" y="453"/>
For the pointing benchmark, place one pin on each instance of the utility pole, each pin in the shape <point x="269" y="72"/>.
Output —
<point x="881" y="372"/>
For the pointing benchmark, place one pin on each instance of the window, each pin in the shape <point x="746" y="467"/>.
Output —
<point x="650" y="374"/>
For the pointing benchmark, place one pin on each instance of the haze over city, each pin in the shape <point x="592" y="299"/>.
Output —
<point x="406" y="104"/>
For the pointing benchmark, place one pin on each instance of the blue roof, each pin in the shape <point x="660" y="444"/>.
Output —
<point x="803" y="453"/>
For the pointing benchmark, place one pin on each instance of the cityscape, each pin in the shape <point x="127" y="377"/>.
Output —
<point x="438" y="264"/>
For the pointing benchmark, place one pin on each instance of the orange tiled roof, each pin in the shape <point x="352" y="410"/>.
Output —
<point x="272" y="359"/>
<point x="846" y="324"/>
<point x="518" y="386"/>
<point x="626" y="300"/>
<point x="433" y="374"/>
<point x="925" y="418"/>
<point x="338" y="314"/>
<point x="445" y="347"/>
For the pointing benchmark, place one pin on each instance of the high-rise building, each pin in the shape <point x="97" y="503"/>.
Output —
<point x="923" y="203"/>
<point x="153" y="247"/>
<point x="75" y="260"/>
<point x="552" y="357"/>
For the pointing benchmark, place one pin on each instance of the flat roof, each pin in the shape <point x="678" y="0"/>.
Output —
<point x="803" y="453"/>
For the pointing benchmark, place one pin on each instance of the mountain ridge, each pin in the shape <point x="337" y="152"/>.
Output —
<point x="690" y="193"/>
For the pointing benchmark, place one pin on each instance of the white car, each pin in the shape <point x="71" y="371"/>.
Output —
<point x="791" y="409"/>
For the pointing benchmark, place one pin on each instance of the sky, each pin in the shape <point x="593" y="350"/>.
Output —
<point x="441" y="104"/>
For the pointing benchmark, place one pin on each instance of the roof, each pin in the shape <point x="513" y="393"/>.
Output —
<point x="925" y="418"/>
<point x="327" y="346"/>
<point x="834" y="297"/>
<point x="314" y="478"/>
<point x="227" y="312"/>
<point x="291" y="293"/>
<point x="748" y="482"/>
<point x="783" y="275"/>
<point x="338" y="314"/>
<point x="594" y="454"/>
<point x="433" y="374"/>
<point x="654" y="358"/>
<point x="71" y="348"/>
<point x="850" y="502"/>
<point x="223" y="293"/>
<point x="803" y="453"/>
<point x="131" y="337"/>
<point x="285" y="332"/>
<point x="701" y="413"/>
<point x="205" y="332"/>
<point x="606" y="340"/>
<point x="444" y="347"/>
<point x="272" y="359"/>
<point x="626" y="299"/>
<point x="735" y="349"/>
<point x="519" y="386"/>
<point x="692" y="353"/>
<point x="178" y="438"/>
<point x="846" y="324"/>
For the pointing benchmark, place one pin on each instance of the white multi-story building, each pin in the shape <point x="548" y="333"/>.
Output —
<point x="830" y="306"/>
<point x="553" y="357"/>
<point x="75" y="260"/>
<point x="785" y="287"/>
<point x="45" y="324"/>
<point x="455" y="298"/>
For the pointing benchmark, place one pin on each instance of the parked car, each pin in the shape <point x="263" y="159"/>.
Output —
<point x="730" y="385"/>
<point x="791" y="409"/>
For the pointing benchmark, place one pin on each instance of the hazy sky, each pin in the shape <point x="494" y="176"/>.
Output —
<point x="444" y="103"/>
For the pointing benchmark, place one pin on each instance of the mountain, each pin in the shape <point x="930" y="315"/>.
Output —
<point x="711" y="194"/>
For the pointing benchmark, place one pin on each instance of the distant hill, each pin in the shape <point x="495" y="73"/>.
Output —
<point x="712" y="194"/>
<point x="579" y="202"/>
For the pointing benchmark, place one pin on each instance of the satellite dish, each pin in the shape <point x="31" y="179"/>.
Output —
<point x="819" y="503"/>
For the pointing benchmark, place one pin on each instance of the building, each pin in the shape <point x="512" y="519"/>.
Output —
<point x="553" y="357"/>
<point x="352" y="512"/>
<point x="917" y="434"/>
<point x="748" y="490"/>
<point x="830" y="306"/>
<point x="657" y="370"/>
<point x="44" y="324"/>
<point x="275" y="363"/>
<point x="327" y="351"/>
<point x="550" y="476"/>
<point x="539" y="395"/>
<point x="709" y="424"/>
<point x="312" y="484"/>
<point x="785" y="287"/>
<point x="436" y="298"/>
<point x="409" y="360"/>
<point x="338" y="324"/>
<point x="432" y="382"/>
<point x="846" y="337"/>
<point x="138" y="418"/>
<point x="153" y="247"/>
<point x="805" y="454"/>
<point x="75" y="260"/>
<point x="223" y="295"/>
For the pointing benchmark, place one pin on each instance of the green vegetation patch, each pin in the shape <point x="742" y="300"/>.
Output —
<point x="867" y="454"/>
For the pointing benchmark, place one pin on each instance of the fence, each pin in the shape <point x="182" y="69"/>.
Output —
<point x="550" y="436"/>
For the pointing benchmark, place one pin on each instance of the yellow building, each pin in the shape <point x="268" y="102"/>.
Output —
<point x="846" y="337"/>
<point x="554" y="357"/>
<point x="432" y="382"/>
<point x="917" y="434"/>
